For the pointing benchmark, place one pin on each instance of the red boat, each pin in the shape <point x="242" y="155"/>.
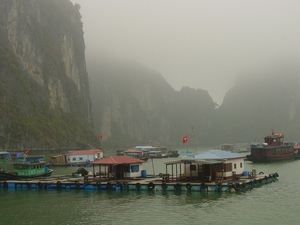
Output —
<point x="274" y="149"/>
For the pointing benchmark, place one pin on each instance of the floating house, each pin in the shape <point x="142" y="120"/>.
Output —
<point x="58" y="160"/>
<point x="211" y="165"/>
<point x="83" y="157"/>
<point x="35" y="158"/>
<point x="16" y="155"/>
<point x="119" y="167"/>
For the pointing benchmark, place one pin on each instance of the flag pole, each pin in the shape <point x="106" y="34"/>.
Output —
<point x="194" y="139"/>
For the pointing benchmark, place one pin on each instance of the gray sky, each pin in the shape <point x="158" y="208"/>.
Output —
<point x="201" y="44"/>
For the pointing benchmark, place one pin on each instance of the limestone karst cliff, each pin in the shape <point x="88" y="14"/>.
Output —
<point x="44" y="90"/>
<point x="48" y="100"/>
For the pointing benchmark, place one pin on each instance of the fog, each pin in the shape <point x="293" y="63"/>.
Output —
<point x="203" y="44"/>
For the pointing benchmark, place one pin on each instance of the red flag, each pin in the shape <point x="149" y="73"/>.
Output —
<point x="100" y="137"/>
<point x="184" y="139"/>
<point x="26" y="152"/>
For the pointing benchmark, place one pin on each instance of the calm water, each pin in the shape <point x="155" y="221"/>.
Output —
<point x="274" y="203"/>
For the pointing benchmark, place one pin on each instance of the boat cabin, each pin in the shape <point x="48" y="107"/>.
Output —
<point x="30" y="169"/>
<point x="274" y="139"/>
<point x="210" y="165"/>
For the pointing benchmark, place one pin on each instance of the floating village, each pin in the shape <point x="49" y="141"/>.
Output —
<point x="213" y="170"/>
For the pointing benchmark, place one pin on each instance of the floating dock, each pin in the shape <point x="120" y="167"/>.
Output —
<point x="154" y="183"/>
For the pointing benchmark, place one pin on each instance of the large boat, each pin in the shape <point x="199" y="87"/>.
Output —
<point x="139" y="154"/>
<point x="157" y="154"/>
<point x="158" y="151"/>
<point x="22" y="170"/>
<point x="273" y="149"/>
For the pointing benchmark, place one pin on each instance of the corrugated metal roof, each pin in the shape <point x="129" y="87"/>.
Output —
<point x="84" y="152"/>
<point x="217" y="155"/>
<point x="192" y="160"/>
<point x="116" y="160"/>
<point x="209" y="157"/>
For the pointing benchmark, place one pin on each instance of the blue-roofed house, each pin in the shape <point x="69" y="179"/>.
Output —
<point x="207" y="166"/>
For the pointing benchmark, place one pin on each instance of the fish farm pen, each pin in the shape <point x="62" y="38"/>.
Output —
<point x="150" y="183"/>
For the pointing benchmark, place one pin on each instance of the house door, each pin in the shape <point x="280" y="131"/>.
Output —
<point x="119" y="172"/>
<point x="204" y="171"/>
<point x="207" y="172"/>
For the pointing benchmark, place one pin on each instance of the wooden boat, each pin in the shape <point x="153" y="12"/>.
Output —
<point x="273" y="149"/>
<point x="23" y="170"/>
<point x="157" y="154"/>
<point x="132" y="152"/>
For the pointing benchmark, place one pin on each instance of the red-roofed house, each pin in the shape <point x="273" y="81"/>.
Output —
<point x="119" y="167"/>
<point x="83" y="156"/>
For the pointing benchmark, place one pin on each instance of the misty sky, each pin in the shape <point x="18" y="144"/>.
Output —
<point x="201" y="44"/>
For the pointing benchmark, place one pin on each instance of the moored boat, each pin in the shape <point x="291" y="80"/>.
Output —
<point x="26" y="170"/>
<point x="273" y="149"/>
<point x="158" y="151"/>
<point x="157" y="154"/>
<point x="136" y="154"/>
<point x="173" y="153"/>
<point x="23" y="170"/>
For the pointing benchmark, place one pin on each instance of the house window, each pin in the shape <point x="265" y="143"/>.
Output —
<point x="235" y="166"/>
<point x="80" y="158"/>
<point x="134" y="168"/>
<point x="227" y="167"/>
<point x="241" y="165"/>
<point x="200" y="168"/>
<point x="74" y="159"/>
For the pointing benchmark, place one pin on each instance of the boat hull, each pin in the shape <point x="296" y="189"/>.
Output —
<point x="270" y="158"/>
<point x="14" y="176"/>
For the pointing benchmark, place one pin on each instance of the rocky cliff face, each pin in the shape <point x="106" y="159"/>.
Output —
<point x="261" y="102"/>
<point x="135" y="105"/>
<point x="43" y="75"/>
